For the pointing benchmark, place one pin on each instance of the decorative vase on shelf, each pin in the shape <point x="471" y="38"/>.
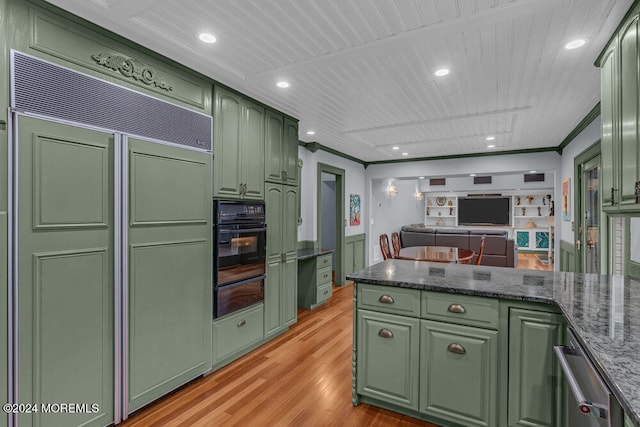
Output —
<point x="539" y="213"/>
<point x="530" y="224"/>
<point x="518" y="201"/>
<point x="427" y="211"/>
<point x="451" y="211"/>
<point x="450" y="203"/>
<point x="524" y="211"/>
<point x="529" y="199"/>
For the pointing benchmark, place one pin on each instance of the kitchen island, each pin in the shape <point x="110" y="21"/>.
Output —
<point x="503" y="305"/>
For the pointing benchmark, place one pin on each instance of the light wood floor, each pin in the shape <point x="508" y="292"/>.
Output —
<point x="302" y="378"/>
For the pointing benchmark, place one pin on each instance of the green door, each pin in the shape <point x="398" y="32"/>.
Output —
<point x="289" y="229"/>
<point x="226" y="144"/>
<point x="274" y="205"/>
<point x="252" y="151"/>
<point x="65" y="271"/>
<point x="388" y="359"/>
<point x="169" y="269"/>
<point x="630" y="97"/>
<point x="459" y="373"/>
<point x="609" y="118"/>
<point x="274" y="143"/>
<point x="534" y="376"/>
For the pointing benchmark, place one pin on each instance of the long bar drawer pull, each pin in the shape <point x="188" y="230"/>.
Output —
<point x="241" y="323"/>
<point x="385" y="333"/>
<point x="456" y="348"/>
<point x="386" y="299"/>
<point x="593" y="409"/>
<point x="456" y="308"/>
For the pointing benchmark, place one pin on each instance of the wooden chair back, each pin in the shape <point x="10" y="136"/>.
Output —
<point x="479" y="259"/>
<point x="384" y="246"/>
<point x="395" y="242"/>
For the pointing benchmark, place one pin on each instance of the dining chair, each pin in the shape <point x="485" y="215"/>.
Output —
<point x="384" y="246"/>
<point x="479" y="259"/>
<point x="395" y="242"/>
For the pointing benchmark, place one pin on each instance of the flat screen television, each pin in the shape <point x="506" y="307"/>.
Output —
<point x="484" y="210"/>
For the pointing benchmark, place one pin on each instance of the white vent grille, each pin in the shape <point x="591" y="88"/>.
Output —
<point x="44" y="88"/>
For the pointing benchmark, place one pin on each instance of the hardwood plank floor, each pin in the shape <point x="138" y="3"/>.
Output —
<point x="302" y="378"/>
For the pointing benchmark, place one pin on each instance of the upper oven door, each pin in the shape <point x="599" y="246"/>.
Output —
<point x="240" y="252"/>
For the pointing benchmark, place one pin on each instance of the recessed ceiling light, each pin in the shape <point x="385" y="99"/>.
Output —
<point x="395" y="148"/>
<point x="442" y="72"/>
<point x="472" y="174"/>
<point x="207" y="38"/>
<point x="491" y="138"/>
<point x="311" y="132"/>
<point x="422" y="177"/>
<point x="575" y="44"/>
<point x="282" y="84"/>
<point x="533" y="171"/>
<point x="405" y="154"/>
<point x="491" y="146"/>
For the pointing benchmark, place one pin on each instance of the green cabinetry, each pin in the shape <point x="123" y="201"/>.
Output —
<point x="314" y="280"/>
<point x="620" y="108"/>
<point x="238" y="147"/>
<point x="282" y="264"/>
<point x="388" y="350"/>
<point x="354" y="250"/>
<point x="281" y="149"/>
<point x="237" y="332"/>
<point x="535" y="387"/>
<point x="474" y="360"/>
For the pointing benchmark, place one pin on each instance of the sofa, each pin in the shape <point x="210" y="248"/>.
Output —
<point x="499" y="249"/>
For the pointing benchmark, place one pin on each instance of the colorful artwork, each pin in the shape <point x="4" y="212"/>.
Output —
<point x="522" y="239"/>
<point x="542" y="240"/>
<point x="354" y="209"/>
<point x="566" y="203"/>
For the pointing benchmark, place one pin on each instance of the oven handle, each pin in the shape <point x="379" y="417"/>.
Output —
<point x="242" y="282"/>
<point x="242" y="230"/>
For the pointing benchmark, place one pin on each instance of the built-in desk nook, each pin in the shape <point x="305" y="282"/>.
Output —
<point x="315" y="267"/>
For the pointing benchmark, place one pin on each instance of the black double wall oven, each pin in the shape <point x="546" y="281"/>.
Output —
<point x="240" y="237"/>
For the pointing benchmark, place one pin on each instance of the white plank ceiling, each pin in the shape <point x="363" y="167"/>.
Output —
<point x="361" y="71"/>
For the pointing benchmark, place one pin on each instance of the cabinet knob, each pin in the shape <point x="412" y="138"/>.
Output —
<point x="241" y="323"/>
<point x="456" y="348"/>
<point x="385" y="333"/>
<point x="386" y="299"/>
<point x="456" y="308"/>
<point x="326" y="275"/>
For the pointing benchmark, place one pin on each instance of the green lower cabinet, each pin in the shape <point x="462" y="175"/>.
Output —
<point x="535" y="386"/>
<point x="459" y="373"/>
<point x="387" y="358"/>
<point x="237" y="332"/>
<point x="314" y="281"/>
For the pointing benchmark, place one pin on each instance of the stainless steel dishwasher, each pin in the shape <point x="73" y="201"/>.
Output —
<point x="589" y="401"/>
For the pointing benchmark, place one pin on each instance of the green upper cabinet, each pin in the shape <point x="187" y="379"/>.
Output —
<point x="620" y="102"/>
<point x="238" y="147"/>
<point x="281" y="145"/>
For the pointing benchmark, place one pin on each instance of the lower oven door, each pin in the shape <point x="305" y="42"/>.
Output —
<point x="236" y="296"/>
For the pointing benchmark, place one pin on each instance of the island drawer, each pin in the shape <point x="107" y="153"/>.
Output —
<point x="389" y="299"/>
<point x="461" y="309"/>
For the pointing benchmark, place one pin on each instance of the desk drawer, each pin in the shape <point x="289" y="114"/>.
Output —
<point x="388" y="299"/>
<point x="461" y="309"/>
<point x="323" y="276"/>
<point x="324" y="261"/>
<point x="323" y="293"/>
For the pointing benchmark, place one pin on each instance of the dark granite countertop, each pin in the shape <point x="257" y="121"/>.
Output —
<point x="312" y="253"/>
<point x="603" y="311"/>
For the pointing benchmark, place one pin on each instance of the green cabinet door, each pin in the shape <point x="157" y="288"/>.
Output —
<point x="609" y="115"/>
<point x="169" y="281"/>
<point x="4" y="308"/>
<point x="227" y="149"/>
<point x="252" y="158"/>
<point x="274" y="147"/>
<point x="535" y="386"/>
<point x="629" y="119"/>
<point x="459" y="373"/>
<point x="282" y="265"/>
<point x="290" y="152"/>
<point x="65" y="271"/>
<point x="387" y="359"/>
